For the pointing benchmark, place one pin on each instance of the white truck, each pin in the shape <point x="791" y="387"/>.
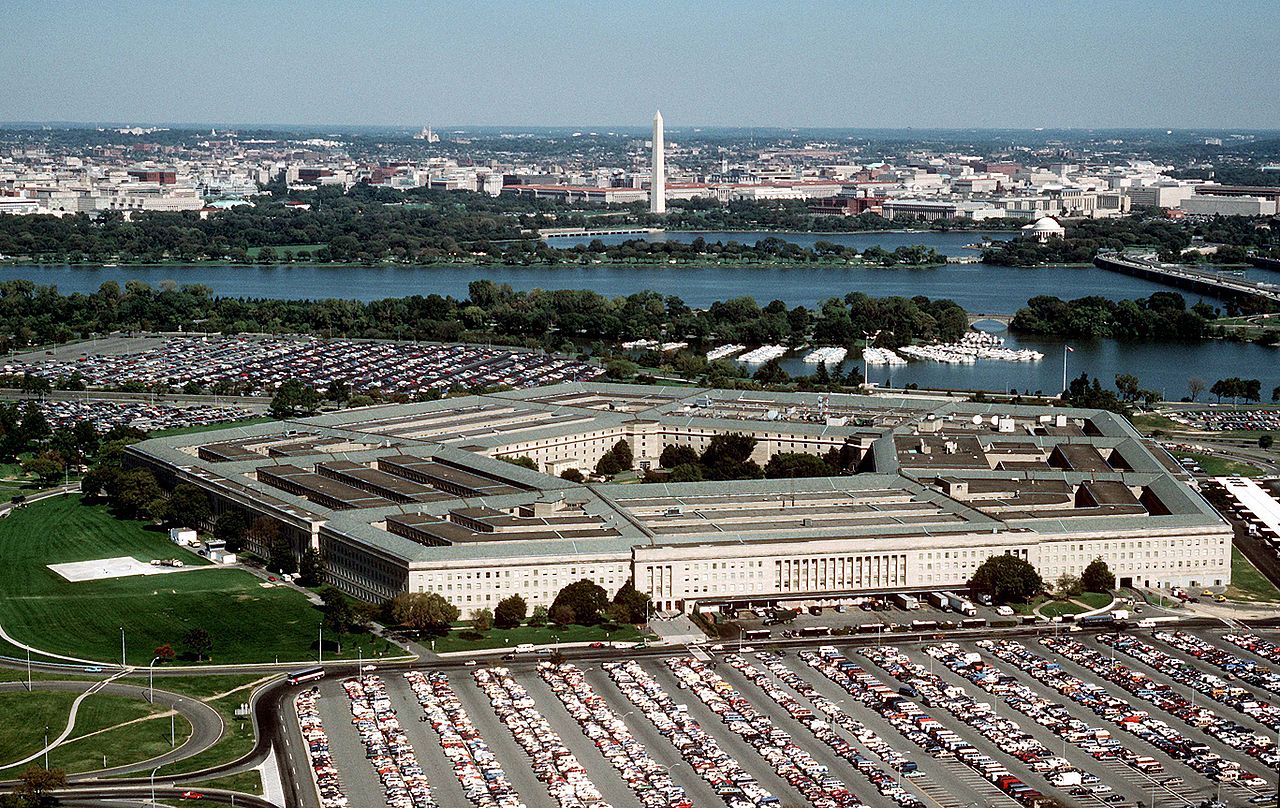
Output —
<point x="907" y="602"/>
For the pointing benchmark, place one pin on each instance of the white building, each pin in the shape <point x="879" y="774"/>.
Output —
<point x="1206" y="205"/>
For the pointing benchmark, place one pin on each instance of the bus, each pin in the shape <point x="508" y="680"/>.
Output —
<point x="814" y="631"/>
<point x="756" y="634"/>
<point x="303" y="676"/>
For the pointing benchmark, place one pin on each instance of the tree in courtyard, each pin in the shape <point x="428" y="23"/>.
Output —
<point x="798" y="464"/>
<point x="630" y="605"/>
<point x="1098" y="577"/>
<point x="728" y="457"/>
<point x="310" y="568"/>
<point x="510" y="612"/>
<point x="482" y="619"/>
<point x="1007" y="579"/>
<point x="616" y="460"/>
<point x="293" y="398"/>
<point x="424" y="611"/>
<point x="580" y="602"/>
<point x="1067" y="585"/>
<point x="523" y="461"/>
<point x="675" y="455"/>
<point x="685" y="473"/>
<point x="573" y="476"/>
<point x="280" y="556"/>
<point x="198" y="643"/>
<point x="540" y="616"/>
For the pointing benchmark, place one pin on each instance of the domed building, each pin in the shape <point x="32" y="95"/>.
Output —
<point x="1043" y="229"/>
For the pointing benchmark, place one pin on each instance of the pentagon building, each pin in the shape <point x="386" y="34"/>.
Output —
<point x="417" y="497"/>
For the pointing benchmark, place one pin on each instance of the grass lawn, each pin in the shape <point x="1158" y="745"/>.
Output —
<point x="249" y="782"/>
<point x="1058" y="608"/>
<point x="27" y="714"/>
<point x="247" y="621"/>
<point x="296" y="249"/>
<point x="192" y="430"/>
<point x="545" y="635"/>
<point x="236" y="742"/>
<point x="1096" y="600"/>
<point x="1247" y="584"/>
<point x="1221" y="467"/>
<point x="1148" y="422"/>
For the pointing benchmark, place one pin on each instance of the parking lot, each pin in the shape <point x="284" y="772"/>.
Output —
<point x="1167" y="717"/>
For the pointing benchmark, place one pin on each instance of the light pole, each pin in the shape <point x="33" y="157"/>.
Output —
<point x="123" y="662"/>
<point x="153" y="782"/>
<point x="151" y="681"/>
<point x="46" y="747"/>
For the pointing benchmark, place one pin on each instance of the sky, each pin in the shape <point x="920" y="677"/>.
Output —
<point x="891" y="63"/>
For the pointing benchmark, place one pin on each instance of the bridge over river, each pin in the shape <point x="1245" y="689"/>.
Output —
<point x="1182" y="276"/>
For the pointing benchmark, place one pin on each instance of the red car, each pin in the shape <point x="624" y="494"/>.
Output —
<point x="191" y="795"/>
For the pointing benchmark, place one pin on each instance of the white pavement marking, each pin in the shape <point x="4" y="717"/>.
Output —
<point x="272" y="784"/>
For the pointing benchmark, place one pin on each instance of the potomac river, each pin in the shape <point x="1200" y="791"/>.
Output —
<point x="976" y="287"/>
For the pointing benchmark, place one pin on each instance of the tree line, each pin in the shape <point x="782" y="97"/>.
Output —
<point x="1163" y="316"/>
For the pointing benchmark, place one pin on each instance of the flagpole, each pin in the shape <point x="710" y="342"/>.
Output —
<point x="1064" y="370"/>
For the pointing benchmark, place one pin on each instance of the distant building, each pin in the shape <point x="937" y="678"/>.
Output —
<point x="1207" y="205"/>
<point x="158" y="176"/>
<point x="930" y="210"/>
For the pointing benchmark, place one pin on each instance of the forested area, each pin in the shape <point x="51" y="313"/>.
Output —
<point x="1164" y="316"/>
<point x="555" y="318"/>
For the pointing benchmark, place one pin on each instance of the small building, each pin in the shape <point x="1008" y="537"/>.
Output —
<point x="183" y="536"/>
<point x="1043" y="229"/>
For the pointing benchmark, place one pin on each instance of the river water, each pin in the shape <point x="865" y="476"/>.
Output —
<point x="976" y="287"/>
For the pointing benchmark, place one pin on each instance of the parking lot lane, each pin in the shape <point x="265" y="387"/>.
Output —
<point x="837" y="765"/>
<point x="699" y="791"/>
<point x="515" y="762"/>
<point x="1021" y="770"/>
<point x="358" y="778"/>
<point x="426" y="743"/>
<point x="943" y="778"/>
<point x="1195" y="785"/>
<point x="297" y="757"/>
<point x="612" y="787"/>
<point x="729" y="741"/>
<point x="1137" y="784"/>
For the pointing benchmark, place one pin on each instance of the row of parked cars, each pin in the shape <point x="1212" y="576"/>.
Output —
<point x="475" y="765"/>
<point x="256" y="366"/>
<point x="1217" y="688"/>
<point x="916" y="725"/>
<point x="699" y="749"/>
<point x="1161" y="694"/>
<point x="105" y="415"/>
<point x="386" y="744"/>
<point x="328" y="786"/>
<point x="778" y="683"/>
<point x="1001" y="730"/>
<point x="1095" y="740"/>
<point x="792" y="763"/>
<point x="1246" y="670"/>
<point x="651" y="782"/>
<point x="558" y="768"/>
<point x="1255" y="644"/>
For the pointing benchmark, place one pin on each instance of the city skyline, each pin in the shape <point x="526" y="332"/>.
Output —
<point x="918" y="65"/>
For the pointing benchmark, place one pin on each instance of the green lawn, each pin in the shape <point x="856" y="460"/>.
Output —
<point x="1058" y="608"/>
<point x="545" y="635"/>
<point x="1221" y="467"/>
<point x="1148" y="422"/>
<point x="249" y="782"/>
<point x="236" y="742"/>
<point x="247" y="621"/>
<point x="192" y="430"/>
<point x="1096" y="600"/>
<point x="296" y="249"/>
<point x="1247" y="584"/>
<point x="27" y="715"/>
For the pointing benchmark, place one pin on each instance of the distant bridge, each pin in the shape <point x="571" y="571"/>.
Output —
<point x="1002" y="319"/>
<point x="1185" y="277"/>
<point x="584" y="232"/>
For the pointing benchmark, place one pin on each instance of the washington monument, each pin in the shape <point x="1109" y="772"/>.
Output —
<point x="658" y="186"/>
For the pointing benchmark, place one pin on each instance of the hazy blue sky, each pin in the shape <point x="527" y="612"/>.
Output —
<point x="1164" y="63"/>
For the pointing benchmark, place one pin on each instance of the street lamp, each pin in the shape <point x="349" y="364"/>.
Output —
<point x="153" y="782"/>
<point x="46" y="747"/>
<point x="123" y="662"/>
<point x="151" y="681"/>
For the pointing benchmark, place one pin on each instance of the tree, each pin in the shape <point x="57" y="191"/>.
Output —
<point x="281" y="558"/>
<point x="1007" y="579"/>
<point x="675" y="455"/>
<point x="728" y="457"/>
<point x="424" y="611"/>
<point x="630" y="605"/>
<point x="540" y="616"/>
<point x="1265" y="441"/>
<point x="1275" y="394"/>
<point x="771" y="372"/>
<point x="618" y="459"/>
<point x="46" y="466"/>
<point x="685" y="473"/>
<point x="510" y="612"/>
<point x="798" y="464"/>
<point x="523" y="461"/>
<point x="482" y="620"/>
<point x="187" y="506"/>
<point x="262" y="534"/>
<point x="134" y="492"/>
<point x="573" y="476"/>
<point x="1127" y="384"/>
<point x="1098" y="577"/>
<point x="198" y="643"/>
<point x="340" y="614"/>
<point x="310" y="568"/>
<point x="231" y="527"/>
<point x="1067" y="585"/>
<point x="293" y="398"/>
<point x="35" y="783"/>
<point x="1195" y="386"/>
<point x="580" y="602"/>
<point x="165" y="653"/>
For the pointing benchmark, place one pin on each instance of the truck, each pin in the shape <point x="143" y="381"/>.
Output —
<point x="907" y="602"/>
<point x="963" y="606"/>
<point x="940" y="601"/>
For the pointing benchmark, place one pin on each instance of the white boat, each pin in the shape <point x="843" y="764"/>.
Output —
<point x="832" y="356"/>
<point x="763" y="354"/>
